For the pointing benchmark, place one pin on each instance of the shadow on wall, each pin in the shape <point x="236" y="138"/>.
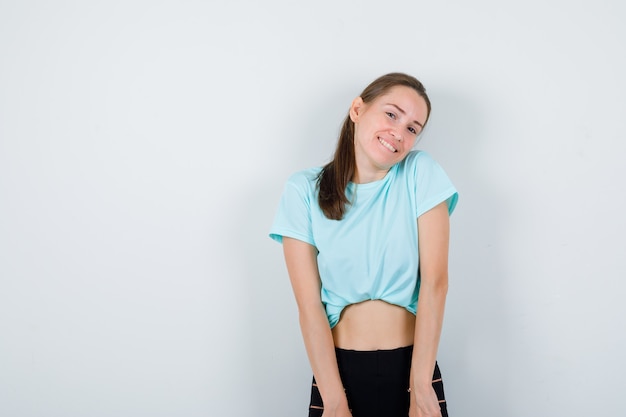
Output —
<point x="276" y="360"/>
<point x="475" y="347"/>
<point x="279" y="368"/>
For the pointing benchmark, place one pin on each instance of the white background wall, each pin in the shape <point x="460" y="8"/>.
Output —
<point x="144" y="146"/>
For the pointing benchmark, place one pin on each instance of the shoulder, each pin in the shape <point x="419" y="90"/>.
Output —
<point x="417" y="161"/>
<point x="303" y="184"/>
<point x="418" y="157"/>
<point x="432" y="184"/>
<point x="304" y="179"/>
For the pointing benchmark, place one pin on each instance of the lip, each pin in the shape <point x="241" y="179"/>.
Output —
<point x="387" y="145"/>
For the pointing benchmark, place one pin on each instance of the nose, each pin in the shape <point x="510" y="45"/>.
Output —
<point x="396" y="134"/>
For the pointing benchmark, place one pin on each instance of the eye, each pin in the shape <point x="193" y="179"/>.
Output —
<point x="412" y="130"/>
<point x="390" y="115"/>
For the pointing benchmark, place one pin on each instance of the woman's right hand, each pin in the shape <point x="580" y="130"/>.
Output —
<point x="339" y="411"/>
<point x="424" y="403"/>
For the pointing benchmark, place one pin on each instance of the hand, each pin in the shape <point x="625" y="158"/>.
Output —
<point x="424" y="403"/>
<point x="339" y="411"/>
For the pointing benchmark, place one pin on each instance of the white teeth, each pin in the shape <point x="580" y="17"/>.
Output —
<point x="387" y="145"/>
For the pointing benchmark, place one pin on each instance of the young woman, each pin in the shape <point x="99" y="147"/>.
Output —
<point x="363" y="236"/>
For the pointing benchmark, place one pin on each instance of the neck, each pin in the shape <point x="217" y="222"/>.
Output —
<point x="361" y="177"/>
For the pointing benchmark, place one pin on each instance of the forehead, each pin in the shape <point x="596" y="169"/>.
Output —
<point x="403" y="93"/>
<point x="407" y="99"/>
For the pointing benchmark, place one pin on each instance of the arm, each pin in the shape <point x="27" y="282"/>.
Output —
<point x="433" y="239"/>
<point x="301" y="260"/>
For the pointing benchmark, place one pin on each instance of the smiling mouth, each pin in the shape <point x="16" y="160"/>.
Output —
<point x="387" y="145"/>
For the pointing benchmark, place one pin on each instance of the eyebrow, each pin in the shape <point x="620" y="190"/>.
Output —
<point x="403" y="112"/>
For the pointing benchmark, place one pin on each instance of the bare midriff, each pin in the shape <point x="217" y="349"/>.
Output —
<point x="373" y="325"/>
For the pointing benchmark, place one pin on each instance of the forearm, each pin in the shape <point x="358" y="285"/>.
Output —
<point x="320" y="349"/>
<point x="301" y="259"/>
<point x="434" y="227"/>
<point x="428" y="324"/>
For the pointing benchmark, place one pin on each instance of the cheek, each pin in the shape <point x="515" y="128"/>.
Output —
<point x="362" y="131"/>
<point x="411" y="142"/>
<point x="357" y="132"/>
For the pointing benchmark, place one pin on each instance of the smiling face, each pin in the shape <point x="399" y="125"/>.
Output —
<point x="385" y="130"/>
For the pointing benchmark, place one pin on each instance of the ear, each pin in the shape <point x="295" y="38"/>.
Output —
<point x="356" y="109"/>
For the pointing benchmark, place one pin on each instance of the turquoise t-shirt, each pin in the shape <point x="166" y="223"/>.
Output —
<point x="371" y="254"/>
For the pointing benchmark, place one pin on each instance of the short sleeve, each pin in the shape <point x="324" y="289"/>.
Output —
<point x="293" y="217"/>
<point x="432" y="185"/>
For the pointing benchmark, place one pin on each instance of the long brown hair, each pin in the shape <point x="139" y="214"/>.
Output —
<point x="334" y="177"/>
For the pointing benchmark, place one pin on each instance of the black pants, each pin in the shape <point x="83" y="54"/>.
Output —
<point x="376" y="383"/>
